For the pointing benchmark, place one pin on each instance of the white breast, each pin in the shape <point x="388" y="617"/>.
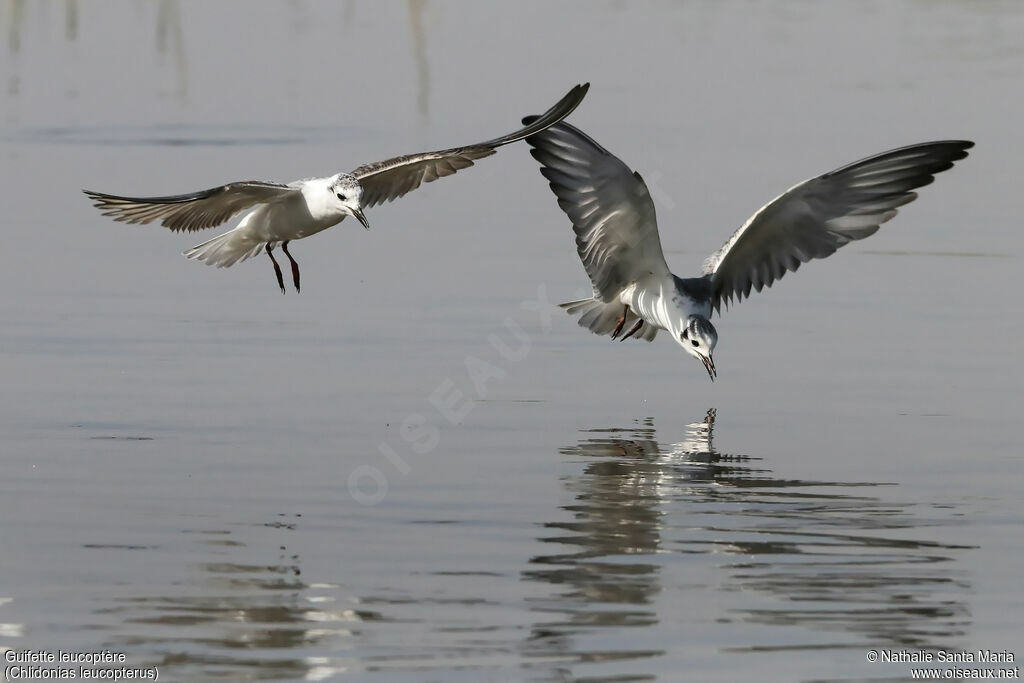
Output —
<point x="657" y="301"/>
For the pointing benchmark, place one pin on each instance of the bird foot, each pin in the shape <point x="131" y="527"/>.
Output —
<point x="295" y="266"/>
<point x="622" y="321"/>
<point x="633" y="330"/>
<point x="277" y="268"/>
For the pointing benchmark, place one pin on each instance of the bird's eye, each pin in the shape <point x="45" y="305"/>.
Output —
<point x="341" y="196"/>
<point x="695" y="342"/>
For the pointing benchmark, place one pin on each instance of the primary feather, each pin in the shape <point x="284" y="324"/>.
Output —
<point x="816" y="217"/>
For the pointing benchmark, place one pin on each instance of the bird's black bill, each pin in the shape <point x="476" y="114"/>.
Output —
<point x="358" y="213"/>
<point x="709" y="365"/>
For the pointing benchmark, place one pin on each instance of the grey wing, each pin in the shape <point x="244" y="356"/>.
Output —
<point x="815" y="218"/>
<point x="194" y="211"/>
<point x="385" y="181"/>
<point x="609" y="206"/>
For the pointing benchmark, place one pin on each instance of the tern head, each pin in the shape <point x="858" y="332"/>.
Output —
<point x="699" y="337"/>
<point x="347" y="194"/>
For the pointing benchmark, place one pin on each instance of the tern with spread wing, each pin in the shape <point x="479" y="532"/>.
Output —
<point x="279" y="213"/>
<point x="617" y="234"/>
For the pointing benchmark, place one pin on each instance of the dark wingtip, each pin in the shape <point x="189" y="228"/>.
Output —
<point x="559" y="111"/>
<point x="575" y="95"/>
<point x="961" y="147"/>
<point x="98" y="199"/>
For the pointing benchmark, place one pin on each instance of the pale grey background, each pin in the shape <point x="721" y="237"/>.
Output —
<point x="177" y="441"/>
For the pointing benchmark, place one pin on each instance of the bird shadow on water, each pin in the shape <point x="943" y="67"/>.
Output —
<point x="836" y="564"/>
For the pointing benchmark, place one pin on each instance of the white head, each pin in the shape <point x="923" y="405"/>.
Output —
<point x="699" y="337"/>
<point x="347" y="196"/>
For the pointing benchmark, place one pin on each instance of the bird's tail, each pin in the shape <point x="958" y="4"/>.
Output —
<point x="226" y="250"/>
<point x="602" y="318"/>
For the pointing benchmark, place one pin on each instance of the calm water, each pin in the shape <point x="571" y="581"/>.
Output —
<point x="229" y="484"/>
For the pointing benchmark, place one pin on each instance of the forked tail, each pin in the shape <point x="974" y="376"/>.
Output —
<point x="602" y="318"/>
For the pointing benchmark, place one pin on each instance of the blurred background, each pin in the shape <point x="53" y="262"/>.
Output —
<point x="228" y="483"/>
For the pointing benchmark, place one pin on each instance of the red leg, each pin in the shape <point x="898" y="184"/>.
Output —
<point x="295" y="266"/>
<point x="634" y="329"/>
<point x="622" y="321"/>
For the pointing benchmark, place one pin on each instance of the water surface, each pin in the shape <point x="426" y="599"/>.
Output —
<point x="229" y="484"/>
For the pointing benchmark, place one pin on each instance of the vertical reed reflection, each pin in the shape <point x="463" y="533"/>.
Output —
<point x="170" y="37"/>
<point x="419" y="52"/>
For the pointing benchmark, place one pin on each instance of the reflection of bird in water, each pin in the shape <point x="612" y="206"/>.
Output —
<point x="812" y="556"/>
<point x="246" y="603"/>
<point x="691" y="459"/>
<point x="608" y="576"/>
<point x="276" y="214"/>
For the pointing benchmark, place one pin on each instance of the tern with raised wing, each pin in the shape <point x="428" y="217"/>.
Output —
<point x="279" y="213"/>
<point x="617" y="234"/>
